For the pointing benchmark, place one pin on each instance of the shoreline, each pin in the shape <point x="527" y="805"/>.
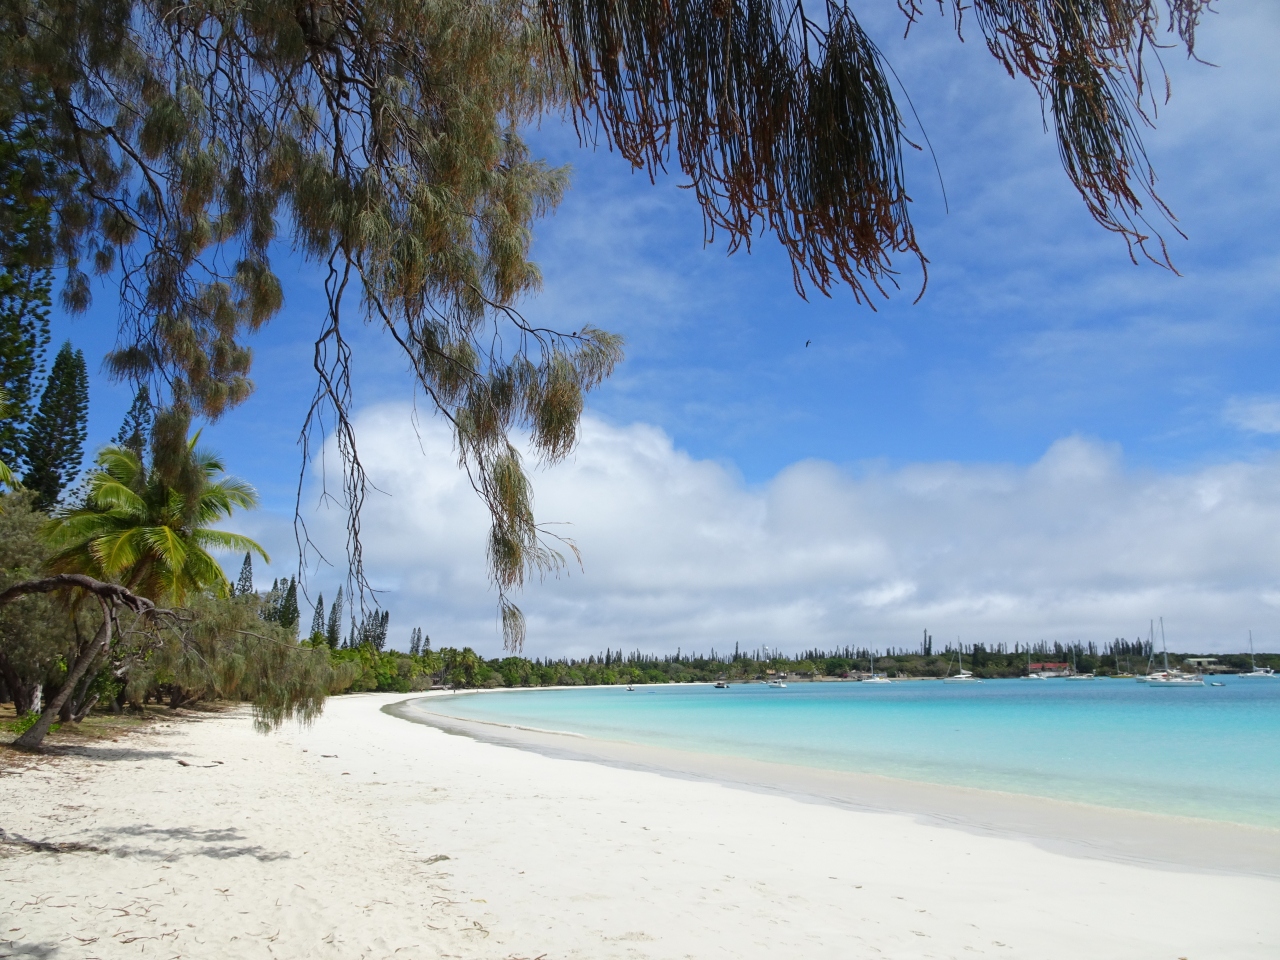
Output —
<point x="1072" y="828"/>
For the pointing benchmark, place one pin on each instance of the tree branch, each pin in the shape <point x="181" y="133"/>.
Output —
<point x="110" y="592"/>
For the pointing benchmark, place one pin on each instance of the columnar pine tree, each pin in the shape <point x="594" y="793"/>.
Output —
<point x="415" y="642"/>
<point x="25" y="284"/>
<point x="55" y="437"/>
<point x="289" y="612"/>
<point x="135" y="432"/>
<point x="244" y="585"/>
<point x="24" y="334"/>
<point x="333" y="629"/>
<point x="317" y="620"/>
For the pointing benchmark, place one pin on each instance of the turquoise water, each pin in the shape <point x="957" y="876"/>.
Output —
<point x="1210" y="752"/>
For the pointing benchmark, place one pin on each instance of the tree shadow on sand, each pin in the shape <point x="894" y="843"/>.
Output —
<point x="218" y="844"/>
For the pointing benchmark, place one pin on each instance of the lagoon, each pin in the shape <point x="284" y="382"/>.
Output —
<point x="1207" y="752"/>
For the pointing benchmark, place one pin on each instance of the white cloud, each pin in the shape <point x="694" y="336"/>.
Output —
<point x="1254" y="414"/>
<point x="680" y="552"/>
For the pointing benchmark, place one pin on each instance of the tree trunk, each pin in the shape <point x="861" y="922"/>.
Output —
<point x="75" y="708"/>
<point x="32" y="739"/>
<point x="23" y="694"/>
<point x="110" y="596"/>
<point x="84" y="711"/>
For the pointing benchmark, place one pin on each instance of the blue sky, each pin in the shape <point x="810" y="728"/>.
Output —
<point x="1035" y="327"/>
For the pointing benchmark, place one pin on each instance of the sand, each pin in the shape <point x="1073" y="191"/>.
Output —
<point x="369" y="836"/>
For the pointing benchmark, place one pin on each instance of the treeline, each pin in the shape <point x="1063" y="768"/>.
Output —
<point x="465" y="669"/>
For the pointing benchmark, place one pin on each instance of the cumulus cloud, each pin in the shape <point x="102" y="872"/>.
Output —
<point x="680" y="552"/>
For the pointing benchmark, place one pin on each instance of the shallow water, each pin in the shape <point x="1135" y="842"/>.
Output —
<point x="1211" y="752"/>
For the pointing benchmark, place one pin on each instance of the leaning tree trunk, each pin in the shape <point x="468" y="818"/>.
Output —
<point x="35" y="735"/>
<point x="110" y="597"/>
<point x="73" y="708"/>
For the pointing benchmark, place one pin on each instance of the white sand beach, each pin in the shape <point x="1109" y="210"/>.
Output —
<point x="369" y="836"/>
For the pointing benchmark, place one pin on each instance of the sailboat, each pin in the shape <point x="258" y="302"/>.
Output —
<point x="1172" y="678"/>
<point x="964" y="676"/>
<point x="875" y="677"/>
<point x="1151" y="653"/>
<point x="1074" y="674"/>
<point x="1029" y="675"/>
<point x="1257" y="672"/>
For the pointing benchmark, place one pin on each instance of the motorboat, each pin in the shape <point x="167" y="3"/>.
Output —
<point x="1175" y="679"/>
<point x="721" y="685"/>
<point x="777" y="683"/>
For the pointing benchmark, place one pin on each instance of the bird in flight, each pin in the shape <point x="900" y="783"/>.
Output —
<point x="807" y="342"/>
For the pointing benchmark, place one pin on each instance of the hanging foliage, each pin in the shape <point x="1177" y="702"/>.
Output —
<point x="178" y="141"/>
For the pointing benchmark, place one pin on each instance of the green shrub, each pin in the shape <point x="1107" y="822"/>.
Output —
<point x="26" y="722"/>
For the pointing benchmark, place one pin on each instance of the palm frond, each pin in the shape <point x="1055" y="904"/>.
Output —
<point x="231" y="542"/>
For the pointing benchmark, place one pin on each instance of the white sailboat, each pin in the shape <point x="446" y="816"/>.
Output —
<point x="1256" y="672"/>
<point x="1172" y="678"/>
<point x="875" y="677"/>
<point x="1029" y="674"/>
<point x="964" y="676"/>
<point x="1151" y="653"/>
<point x="1078" y="676"/>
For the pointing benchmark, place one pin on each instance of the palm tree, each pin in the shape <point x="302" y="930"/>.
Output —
<point x="149" y="529"/>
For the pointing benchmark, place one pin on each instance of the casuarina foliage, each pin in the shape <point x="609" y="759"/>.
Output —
<point x="178" y="141"/>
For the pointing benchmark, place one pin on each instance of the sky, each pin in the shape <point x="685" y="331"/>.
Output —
<point x="1053" y="443"/>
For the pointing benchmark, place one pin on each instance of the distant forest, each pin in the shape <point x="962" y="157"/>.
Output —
<point x="393" y="670"/>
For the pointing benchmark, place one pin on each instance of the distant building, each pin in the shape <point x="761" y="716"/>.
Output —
<point x="1205" y="665"/>
<point x="1041" y="667"/>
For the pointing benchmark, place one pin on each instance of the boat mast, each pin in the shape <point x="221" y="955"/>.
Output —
<point x="1164" y="645"/>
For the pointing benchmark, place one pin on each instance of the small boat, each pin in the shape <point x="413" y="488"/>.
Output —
<point x="630" y="687"/>
<point x="1256" y="673"/>
<point x="875" y="677"/>
<point x="1217" y="683"/>
<point x="721" y="685"/>
<point x="964" y="676"/>
<point x="777" y="683"/>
